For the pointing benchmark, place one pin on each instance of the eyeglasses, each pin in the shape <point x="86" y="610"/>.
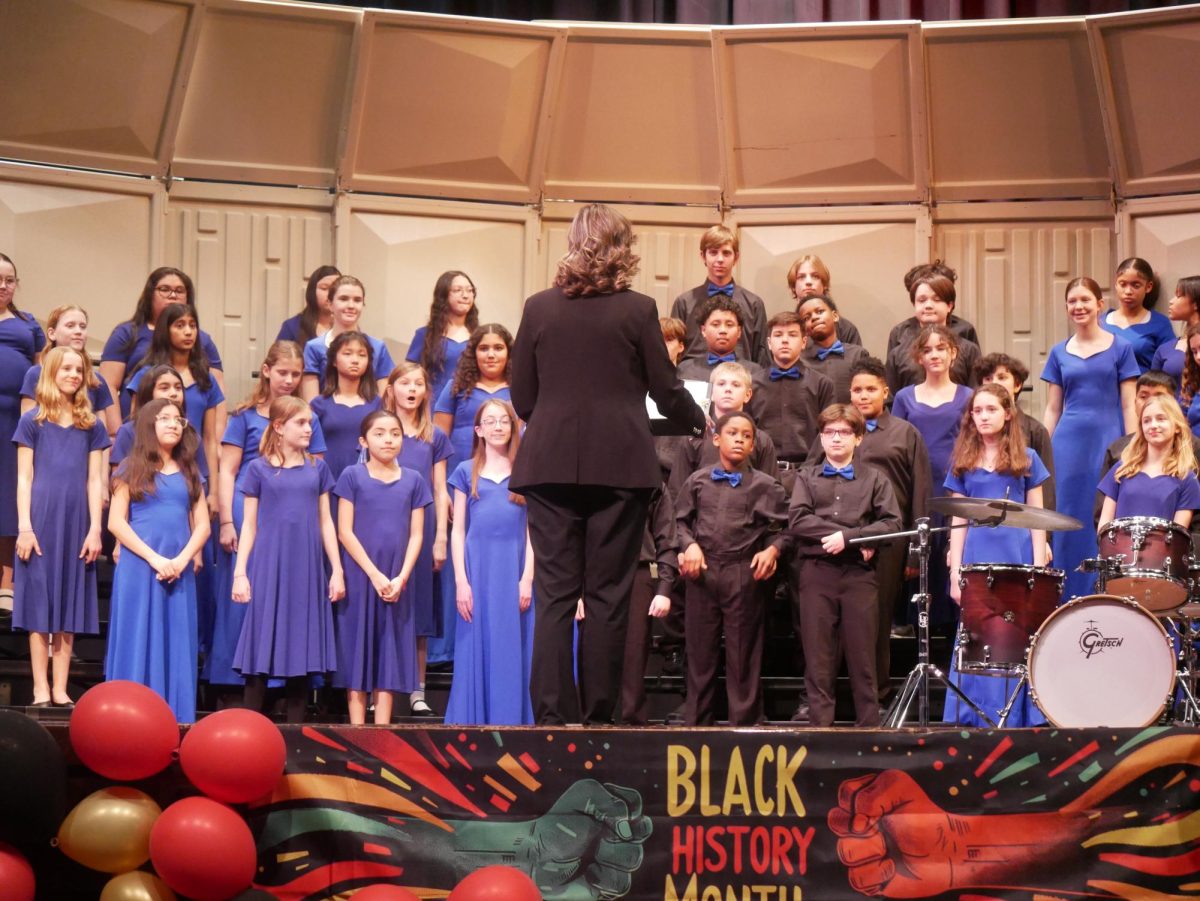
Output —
<point x="490" y="421"/>
<point x="171" y="420"/>
<point x="464" y="291"/>
<point x="9" y="281"/>
<point x="168" y="291"/>
<point x="838" y="433"/>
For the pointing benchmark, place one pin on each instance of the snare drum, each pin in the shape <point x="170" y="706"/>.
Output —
<point x="1002" y="606"/>
<point x="1155" y="569"/>
<point x="1101" y="661"/>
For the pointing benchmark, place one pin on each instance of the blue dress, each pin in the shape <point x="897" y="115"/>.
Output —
<point x="316" y="353"/>
<point x="21" y="339"/>
<point x="340" y="425"/>
<point x="999" y="545"/>
<point x="290" y="331"/>
<point x="1091" y="420"/>
<point x="939" y="427"/>
<point x="1143" y="495"/>
<point x="1170" y="359"/>
<point x="462" y="437"/>
<point x="100" y="396"/>
<point x="56" y="592"/>
<point x="245" y="430"/>
<point x="119" y="349"/>
<point x="442" y="377"/>
<point x="288" y="628"/>
<point x="493" y="652"/>
<point x="1146" y="337"/>
<point x="420" y="457"/>
<point x="152" y="630"/>
<point x="198" y="401"/>
<point x="1193" y="414"/>
<point x="122" y="444"/>
<point x="377" y="641"/>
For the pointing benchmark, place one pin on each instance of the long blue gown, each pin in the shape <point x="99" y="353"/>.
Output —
<point x="462" y="437"/>
<point x="288" y="629"/>
<point x="441" y="378"/>
<point x="152" y="632"/>
<point x="119" y="349"/>
<point x="999" y="545"/>
<point x="340" y="425"/>
<point x="21" y="338"/>
<point x="420" y="457"/>
<point x="939" y="427"/>
<point x="1091" y="420"/>
<point x="377" y="641"/>
<point x="1145" y="337"/>
<point x="56" y="592"/>
<point x="245" y="430"/>
<point x="493" y="652"/>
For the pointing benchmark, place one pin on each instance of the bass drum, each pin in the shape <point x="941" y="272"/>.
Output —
<point x="1101" y="660"/>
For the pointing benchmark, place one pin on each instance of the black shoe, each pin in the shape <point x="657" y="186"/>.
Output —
<point x="420" y="708"/>
<point x="675" y="717"/>
<point x="801" y="714"/>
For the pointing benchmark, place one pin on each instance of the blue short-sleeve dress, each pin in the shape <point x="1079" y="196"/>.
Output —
<point x="21" y="339"/>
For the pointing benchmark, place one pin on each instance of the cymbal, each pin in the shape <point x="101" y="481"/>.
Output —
<point x="1005" y="513"/>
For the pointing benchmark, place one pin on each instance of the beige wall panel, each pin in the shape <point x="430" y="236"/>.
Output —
<point x="1151" y="88"/>
<point x="867" y="261"/>
<point x="635" y="118"/>
<point x="1014" y="112"/>
<point x="400" y="253"/>
<point x="450" y="108"/>
<point x="90" y="82"/>
<point x="250" y="258"/>
<point x="1166" y="233"/>
<point x="854" y="129"/>
<point x="1012" y="279"/>
<point x="84" y="245"/>
<point x="267" y="96"/>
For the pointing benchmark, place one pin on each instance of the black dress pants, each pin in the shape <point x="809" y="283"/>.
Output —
<point x="586" y="540"/>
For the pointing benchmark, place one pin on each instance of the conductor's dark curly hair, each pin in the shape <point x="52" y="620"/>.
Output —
<point x="599" y="257"/>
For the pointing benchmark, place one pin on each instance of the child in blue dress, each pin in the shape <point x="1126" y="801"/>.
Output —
<point x="381" y="521"/>
<point x="1136" y="289"/>
<point x="279" y="376"/>
<point x="493" y="562"/>
<point x="453" y="316"/>
<point x="1189" y="389"/>
<point x="67" y="326"/>
<point x="424" y="451"/>
<point x="1156" y="475"/>
<point x="60" y="480"/>
<point x="347" y="298"/>
<point x="316" y="317"/>
<point x="991" y="460"/>
<point x="160" y="381"/>
<point x="280" y="573"/>
<point x="483" y="373"/>
<point x="349" y="396"/>
<point x="160" y="516"/>
<point x="1183" y="307"/>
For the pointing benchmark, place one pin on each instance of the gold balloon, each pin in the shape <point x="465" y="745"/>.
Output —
<point x="109" y="830"/>
<point x="136" y="886"/>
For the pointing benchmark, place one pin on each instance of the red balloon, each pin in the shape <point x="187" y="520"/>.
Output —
<point x="383" y="892"/>
<point x="203" y="849"/>
<point x="235" y="756"/>
<point x="16" y="875"/>
<point x="124" y="730"/>
<point x="496" y="883"/>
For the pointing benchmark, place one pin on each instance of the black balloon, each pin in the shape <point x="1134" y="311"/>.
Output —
<point x="33" y="782"/>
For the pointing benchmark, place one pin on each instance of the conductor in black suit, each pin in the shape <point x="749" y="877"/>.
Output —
<point x="586" y="354"/>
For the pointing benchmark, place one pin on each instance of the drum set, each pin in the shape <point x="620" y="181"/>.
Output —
<point x="1122" y="657"/>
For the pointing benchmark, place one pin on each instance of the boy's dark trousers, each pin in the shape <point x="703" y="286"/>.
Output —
<point x="725" y="598"/>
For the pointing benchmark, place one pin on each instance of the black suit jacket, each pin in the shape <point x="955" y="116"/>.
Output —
<point x="581" y="369"/>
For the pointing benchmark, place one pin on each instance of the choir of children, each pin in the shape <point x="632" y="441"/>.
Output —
<point x="369" y="526"/>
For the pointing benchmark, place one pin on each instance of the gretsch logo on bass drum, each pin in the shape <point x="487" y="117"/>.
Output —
<point x="1092" y="640"/>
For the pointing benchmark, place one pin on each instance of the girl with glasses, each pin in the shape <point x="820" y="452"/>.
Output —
<point x="453" y="316"/>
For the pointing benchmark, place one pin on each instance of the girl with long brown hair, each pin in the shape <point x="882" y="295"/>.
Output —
<point x="453" y="316"/>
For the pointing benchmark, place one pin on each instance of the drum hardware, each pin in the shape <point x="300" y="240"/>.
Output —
<point x="1185" y="623"/>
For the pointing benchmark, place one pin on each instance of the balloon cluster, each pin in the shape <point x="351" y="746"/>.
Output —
<point x="200" y="846"/>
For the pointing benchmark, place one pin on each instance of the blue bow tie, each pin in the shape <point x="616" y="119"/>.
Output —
<point x="727" y="290"/>
<point x="733" y="478"/>
<point x="829" y="470"/>
<point x="714" y="359"/>
<point x="777" y="373"/>
<point x="835" y="348"/>
<point x="872" y="425"/>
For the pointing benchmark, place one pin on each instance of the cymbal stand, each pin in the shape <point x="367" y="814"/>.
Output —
<point x="916" y="684"/>
<point x="1185" y="677"/>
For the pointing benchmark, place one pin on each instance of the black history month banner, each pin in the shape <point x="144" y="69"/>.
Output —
<point x="753" y="815"/>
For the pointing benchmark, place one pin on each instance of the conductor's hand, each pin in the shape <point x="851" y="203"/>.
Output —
<point x="691" y="562"/>
<point x="762" y="565"/>
<point x="834" y="544"/>
<point x="589" y="844"/>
